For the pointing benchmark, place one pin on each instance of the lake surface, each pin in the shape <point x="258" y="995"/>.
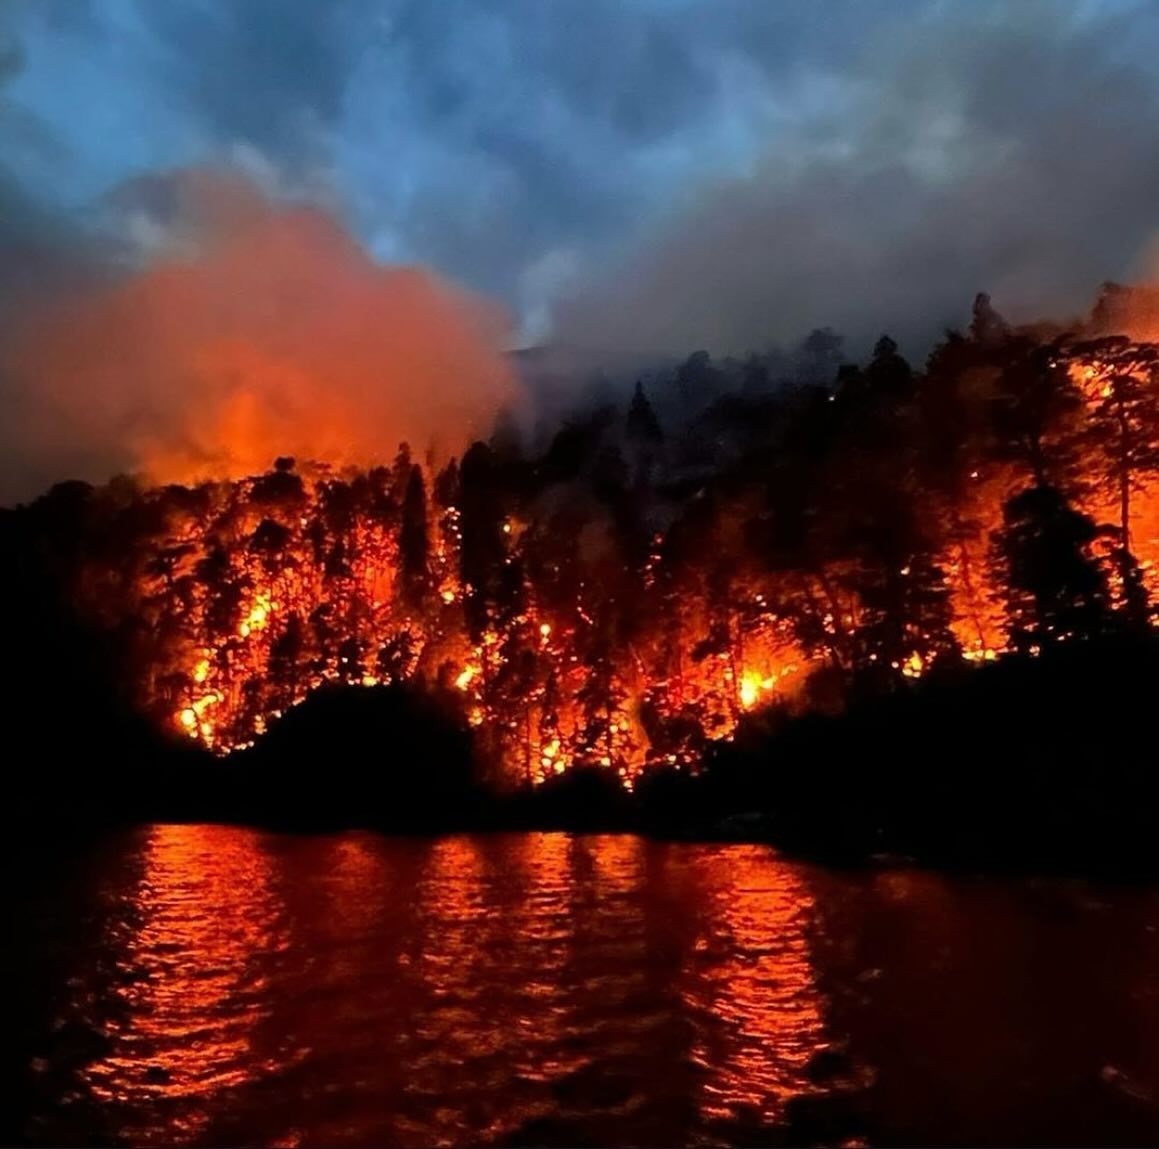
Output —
<point x="214" y="986"/>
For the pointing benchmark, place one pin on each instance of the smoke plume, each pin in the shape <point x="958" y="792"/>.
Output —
<point x="245" y="330"/>
<point x="971" y="148"/>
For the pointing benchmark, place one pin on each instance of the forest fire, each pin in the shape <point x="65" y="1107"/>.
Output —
<point x="591" y="604"/>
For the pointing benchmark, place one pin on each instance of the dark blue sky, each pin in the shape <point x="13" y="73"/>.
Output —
<point x="503" y="142"/>
<point x="654" y="172"/>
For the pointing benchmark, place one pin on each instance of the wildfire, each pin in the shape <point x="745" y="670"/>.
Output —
<point x="194" y="721"/>
<point x="545" y="639"/>
<point x="238" y="681"/>
<point x="257" y="617"/>
<point x="753" y="687"/>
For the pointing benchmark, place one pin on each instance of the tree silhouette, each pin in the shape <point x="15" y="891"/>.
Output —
<point x="643" y="427"/>
<point x="1034" y="408"/>
<point x="414" y="541"/>
<point x="697" y="382"/>
<point x="986" y="325"/>
<point x="888" y="374"/>
<point x="820" y="356"/>
<point x="1056" y="589"/>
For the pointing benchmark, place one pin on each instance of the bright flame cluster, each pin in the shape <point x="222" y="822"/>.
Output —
<point x="246" y="629"/>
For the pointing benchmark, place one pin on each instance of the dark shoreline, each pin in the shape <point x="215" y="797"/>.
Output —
<point x="1126" y="868"/>
<point x="1028" y="766"/>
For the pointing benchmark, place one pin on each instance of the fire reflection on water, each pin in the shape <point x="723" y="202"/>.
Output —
<point x="752" y="976"/>
<point x="219" y="987"/>
<point x="201" y="930"/>
<point x="357" y="990"/>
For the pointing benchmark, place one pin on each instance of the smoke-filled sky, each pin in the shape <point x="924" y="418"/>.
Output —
<point x="636" y="175"/>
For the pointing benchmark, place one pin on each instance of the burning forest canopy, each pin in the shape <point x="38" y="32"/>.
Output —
<point x="622" y="597"/>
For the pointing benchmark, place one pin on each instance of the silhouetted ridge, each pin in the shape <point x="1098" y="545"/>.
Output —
<point x="377" y="756"/>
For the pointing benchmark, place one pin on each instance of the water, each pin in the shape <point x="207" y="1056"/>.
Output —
<point x="213" y="986"/>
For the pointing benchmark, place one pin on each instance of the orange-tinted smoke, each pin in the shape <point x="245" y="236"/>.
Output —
<point x="276" y="334"/>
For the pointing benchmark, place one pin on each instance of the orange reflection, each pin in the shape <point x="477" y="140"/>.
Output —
<point x="452" y="883"/>
<point x="617" y="860"/>
<point x="454" y="991"/>
<point x="752" y="983"/>
<point x="355" y="878"/>
<point x="194" y="977"/>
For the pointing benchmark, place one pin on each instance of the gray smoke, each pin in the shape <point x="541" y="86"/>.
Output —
<point x="1006" y="148"/>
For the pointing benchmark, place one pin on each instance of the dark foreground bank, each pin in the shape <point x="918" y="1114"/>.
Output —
<point x="1045" y="763"/>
